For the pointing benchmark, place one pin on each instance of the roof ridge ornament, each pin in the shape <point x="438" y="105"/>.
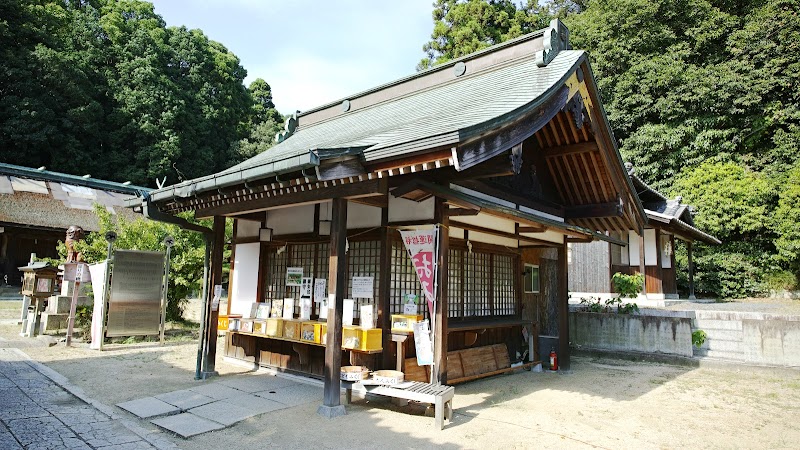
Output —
<point x="555" y="39"/>
<point x="288" y="129"/>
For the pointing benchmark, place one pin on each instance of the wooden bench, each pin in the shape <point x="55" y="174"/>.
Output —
<point x="441" y="397"/>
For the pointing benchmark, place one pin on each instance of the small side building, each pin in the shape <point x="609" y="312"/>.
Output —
<point x="37" y="207"/>
<point x="591" y="265"/>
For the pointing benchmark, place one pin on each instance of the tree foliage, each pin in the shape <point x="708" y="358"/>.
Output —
<point x="465" y="26"/>
<point x="104" y="87"/>
<point x="702" y="97"/>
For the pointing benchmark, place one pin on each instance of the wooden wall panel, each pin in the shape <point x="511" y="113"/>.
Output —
<point x="588" y="267"/>
<point x="653" y="279"/>
<point x="669" y="281"/>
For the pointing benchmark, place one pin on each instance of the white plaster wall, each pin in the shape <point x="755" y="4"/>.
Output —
<point x="650" y="250"/>
<point x="401" y="209"/>
<point x="475" y="236"/>
<point x="292" y="220"/>
<point x="633" y="248"/>
<point x="244" y="278"/>
<point x="247" y="228"/>
<point x="488" y="221"/>
<point x="456" y="233"/>
<point x="362" y="216"/>
<point x="549" y="235"/>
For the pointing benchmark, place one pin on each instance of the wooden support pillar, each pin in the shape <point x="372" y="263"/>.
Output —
<point x="691" y="270"/>
<point x="337" y="287"/>
<point x="440" y="333"/>
<point x="212" y="316"/>
<point x="563" y="309"/>
<point x="641" y="262"/>
<point x="384" y="286"/>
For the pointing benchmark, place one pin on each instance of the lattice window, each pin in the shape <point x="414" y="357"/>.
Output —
<point x="403" y="281"/>
<point x="276" y="275"/>
<point x="455" y="285"/>
<point x="505" y="288"/>
<point x="477" y="284"/>
<point x="363" y="260"/>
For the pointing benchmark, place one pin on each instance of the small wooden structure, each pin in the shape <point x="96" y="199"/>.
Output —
<point x="593" y="264"/>
<point x="507" y="150"/>
<point x="37" y="207"/>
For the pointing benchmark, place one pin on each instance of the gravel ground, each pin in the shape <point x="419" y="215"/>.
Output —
<point x="603" y="403"/>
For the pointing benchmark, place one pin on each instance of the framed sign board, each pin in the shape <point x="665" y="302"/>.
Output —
<point x="134" y="306"/>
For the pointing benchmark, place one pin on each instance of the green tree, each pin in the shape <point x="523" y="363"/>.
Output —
<point x="103" y="87"/>
<point x="734" y="205"/>
<point x="465" y="26"/>
<point x="787" y="222"/>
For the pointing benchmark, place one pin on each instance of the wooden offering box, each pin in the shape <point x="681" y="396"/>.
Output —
<point x="405" y="322"/>
<point x="291" y="329"/>
<point x="274" y="327"/>
<point x="311" y="332"/>
<point x="356" y="338"/>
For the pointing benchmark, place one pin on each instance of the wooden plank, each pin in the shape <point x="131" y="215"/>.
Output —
<point x="494" y="372"/>
<point x="442" y="273"/>
<point x="563" y="309"/>
<point x="217" y="251"/>
<point x="337" y="285"/>
<point x="384" y="289"/>
<point x="563" y="128"/>
<point x="595" y="210"/>
<point x="453" y="212"/>
<point x="576" y="136"/>
<point x="480" y="229"/>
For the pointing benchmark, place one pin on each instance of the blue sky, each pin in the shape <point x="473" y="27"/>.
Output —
<point x="312" y="52"/>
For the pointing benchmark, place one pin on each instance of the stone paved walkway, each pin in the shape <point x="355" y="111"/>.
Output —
<point x="36" y="413"/>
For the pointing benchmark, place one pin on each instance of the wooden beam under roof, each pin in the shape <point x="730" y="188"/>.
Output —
<point x="583" y="147"/>
<point x="608" y="209"/>
<point x="504" y="234"/>
<point x="263" y="201"/>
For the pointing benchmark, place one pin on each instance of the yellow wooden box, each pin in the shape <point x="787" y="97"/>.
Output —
<point x="259" y="327"/>
<point x="222" y="323"/>
<point x="323" y="333"/>
<point x="311" y="332"/>
<point x="405" y="322"/>
<point x="274" y="327"/>
<point x="356" y="338"/>
<point x="291" y="329"/>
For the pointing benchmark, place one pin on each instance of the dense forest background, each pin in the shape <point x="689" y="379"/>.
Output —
<point x="702" y="96"/>
<point x="104" y="87"/>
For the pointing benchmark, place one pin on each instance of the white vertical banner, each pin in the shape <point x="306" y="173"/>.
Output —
<point x="99" y="274"/>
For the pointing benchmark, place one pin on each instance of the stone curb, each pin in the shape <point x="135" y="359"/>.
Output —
<point x="158" y="442"/>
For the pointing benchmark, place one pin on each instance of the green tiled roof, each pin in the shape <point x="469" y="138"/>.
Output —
<point x="442" y="115"/>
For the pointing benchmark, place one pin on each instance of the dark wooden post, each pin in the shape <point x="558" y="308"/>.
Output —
<point x="691" y="270"/>
<point x="641" y="262"/>
<point x="337" y="286"/>
<point x="384" y="286"/>
<point x="217" y="250"/>
<point x="440" y="333"/>
<point x="563" y="309"/>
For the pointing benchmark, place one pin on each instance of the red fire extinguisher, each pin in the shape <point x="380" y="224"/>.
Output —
<point x="553" y="360"/>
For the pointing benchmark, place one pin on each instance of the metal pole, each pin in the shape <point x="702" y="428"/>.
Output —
<point x="198" y="368"/>
<point x="169" y="242"/>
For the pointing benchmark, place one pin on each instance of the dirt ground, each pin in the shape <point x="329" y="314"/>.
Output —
<point x="603" y="403"/>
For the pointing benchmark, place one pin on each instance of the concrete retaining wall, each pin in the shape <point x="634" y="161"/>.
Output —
<point x="753" y="338"/>
<point x="668" y="334"/>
